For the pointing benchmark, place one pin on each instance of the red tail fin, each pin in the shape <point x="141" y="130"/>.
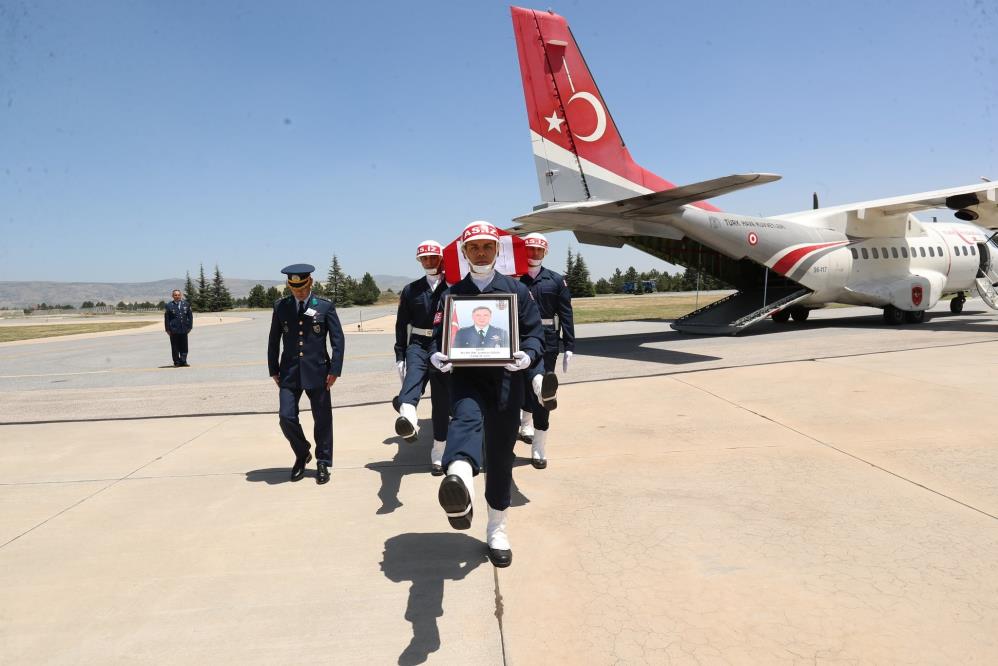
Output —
<point x="578" y="151"/>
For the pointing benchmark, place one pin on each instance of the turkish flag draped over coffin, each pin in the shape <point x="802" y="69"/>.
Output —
<point x="512" y="259"/>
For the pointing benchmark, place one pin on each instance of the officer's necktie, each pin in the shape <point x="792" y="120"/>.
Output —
<point x="481" y="338"/>
<point x="301" y="309"/>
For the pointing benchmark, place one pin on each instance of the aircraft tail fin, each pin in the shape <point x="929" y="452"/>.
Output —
<point x="578" y="151"/>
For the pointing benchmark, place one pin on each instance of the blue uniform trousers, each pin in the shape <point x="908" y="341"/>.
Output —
<point x="178" y="347"/>
<point x="531" y="403"/>
<point x="418" y="372"/>
<point x="486" y="414"/>
<point x="322" y="414"/>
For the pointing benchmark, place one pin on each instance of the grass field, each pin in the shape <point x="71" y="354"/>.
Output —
<point x="12" y="333"/>
<point x="645" y="306"/>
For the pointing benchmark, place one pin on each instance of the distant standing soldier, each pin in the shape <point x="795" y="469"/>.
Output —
<point x="554" y="300"/>
<point x="418" y="303"/>
<point x="303" y="321"/>
<point x="178" y="320"/>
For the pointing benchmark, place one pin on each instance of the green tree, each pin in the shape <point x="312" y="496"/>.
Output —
<point x="617" y="281"/>
<point x="579" y="283"/>
<point x="87" y="304"/>
<point x="345" y="292"/>
<point x="367" y="291"/>
<point x="161" y="305"/>
<point x="257" y="297"/>
<point x="200" y="296"/>
<point x="336" y="286"/>
<point x="603" y="286"/>
<point x="189" y="288"/>
<point x="273" y="295"/>
<point x="219" y="297"/>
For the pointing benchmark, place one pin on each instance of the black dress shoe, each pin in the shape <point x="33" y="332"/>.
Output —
<point x="436" y="470"/>
<point x="500" y="558"/>
<point x="538" y="464"/>
<point x="396" y="405"/>
<point x="321" y="473"/>
<point x="404" y="429"/>
<point x="455" y="500"/>
<point x="298" y="471"/>
<point x="549" y="387"/>
<point x="526" y="439"/>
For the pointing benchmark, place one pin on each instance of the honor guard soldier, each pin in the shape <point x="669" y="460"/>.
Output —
<point x="179" y="320"/>
<point x="418" y="303"/>
<point x="485" y="401"/>
<point x="302" y="322"/>
<point x="554" y="300"/>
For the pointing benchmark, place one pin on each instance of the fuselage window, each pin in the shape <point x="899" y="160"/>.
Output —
<point x="866" y="255"/>
<point x="855" y="254"/>
<point x="884" y="251"/>
<point x="956" y="250"/>
<point x="973" y="251"/>
<point x="964" y="248"/>
<point x="875" y="255"/>
<point x="894" y="252"/>
<point x="939" y="251"/>
<point x="904" y="252"/>
<point x="921" y="251"/>
<point x="932" y="252"/>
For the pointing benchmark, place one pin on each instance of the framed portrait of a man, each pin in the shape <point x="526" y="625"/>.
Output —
<point x="480" y="330"/>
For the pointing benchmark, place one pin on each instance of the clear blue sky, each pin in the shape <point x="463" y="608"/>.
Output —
<point x="139" y="139"/>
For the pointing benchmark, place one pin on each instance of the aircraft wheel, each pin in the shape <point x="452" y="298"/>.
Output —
<point x="893" y="316"/>
<point x="914" y="317"/>
<point x="956" y="304"/>
<point x="800" y="314"/>
<point x="781" y="317"/>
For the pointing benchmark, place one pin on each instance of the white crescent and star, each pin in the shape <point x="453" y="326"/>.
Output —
<point x="554" y="122"/>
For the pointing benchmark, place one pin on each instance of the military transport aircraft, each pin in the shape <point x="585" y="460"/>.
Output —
<point x="874" y="253"/>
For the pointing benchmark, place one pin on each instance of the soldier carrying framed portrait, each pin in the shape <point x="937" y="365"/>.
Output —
<point x="481" y="330"/>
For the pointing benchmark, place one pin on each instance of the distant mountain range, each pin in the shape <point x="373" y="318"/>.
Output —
<point x="24" y="294"/>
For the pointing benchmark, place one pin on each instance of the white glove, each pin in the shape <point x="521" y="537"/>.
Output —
<point x="520" y="362"/>
<point x="401" y="368"/>
<point x="439" y="362"/>
<point x="564" y="361"/>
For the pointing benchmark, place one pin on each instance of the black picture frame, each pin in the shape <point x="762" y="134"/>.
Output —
<point x="496" y="344"/>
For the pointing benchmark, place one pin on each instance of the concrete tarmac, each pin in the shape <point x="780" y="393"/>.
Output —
<point x="825" y="493"/>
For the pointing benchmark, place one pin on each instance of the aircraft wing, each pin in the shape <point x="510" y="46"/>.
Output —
<point x="624" y="217"/>
<point x="976" y="203"/>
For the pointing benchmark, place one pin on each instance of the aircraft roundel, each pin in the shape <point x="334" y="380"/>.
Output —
<point x="752" y="238"/>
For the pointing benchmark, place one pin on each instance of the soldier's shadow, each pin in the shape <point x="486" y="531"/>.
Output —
<point x="410" y="458"/>
<point x="427" y="560"/>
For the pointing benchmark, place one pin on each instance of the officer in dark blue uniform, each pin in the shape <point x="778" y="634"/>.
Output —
<point x="554" y="300"/>
<point x="178" y="320"/>
<point x="302" y="322"/>
<point x="485" y="401"/>
<point x="418" y="303"/>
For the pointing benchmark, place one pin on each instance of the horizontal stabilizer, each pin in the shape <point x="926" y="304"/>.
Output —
<point x="627" y="216"/>
<point x="669" y="201"/>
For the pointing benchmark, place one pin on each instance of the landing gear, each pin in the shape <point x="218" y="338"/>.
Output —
<point x="799" y="314"/>
<point x="781" y="317"/>
<point x="893" y="316"/>
<point x="914" y="317"/>
<point x="956" y="304"/>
